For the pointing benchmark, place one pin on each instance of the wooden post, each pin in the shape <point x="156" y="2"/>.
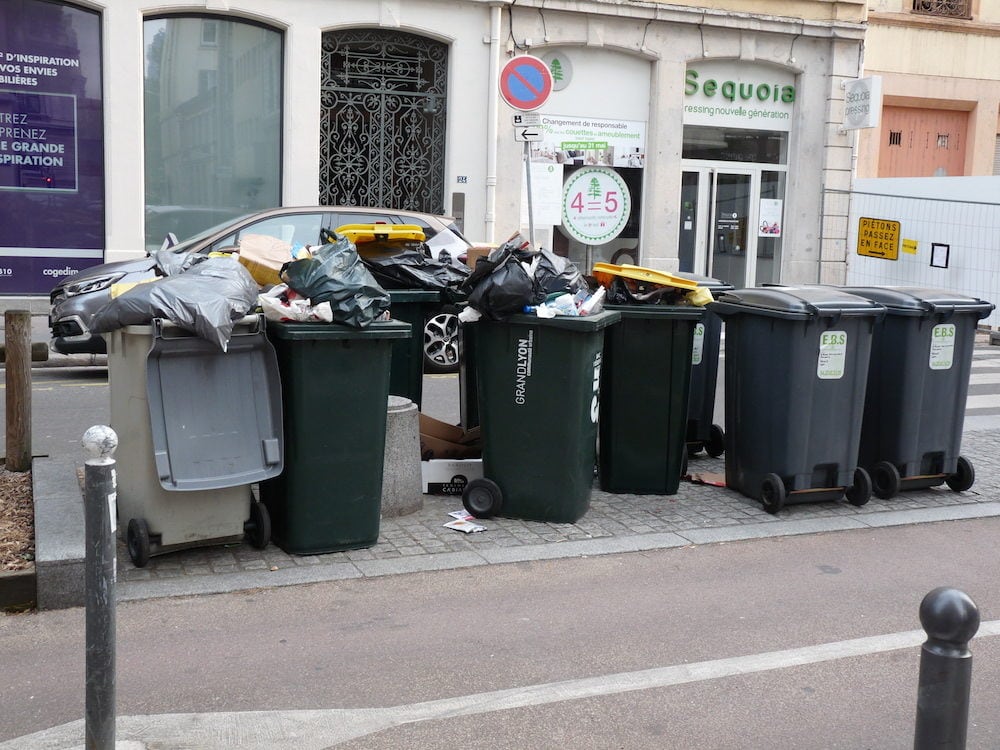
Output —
<point x="17" y="340"/>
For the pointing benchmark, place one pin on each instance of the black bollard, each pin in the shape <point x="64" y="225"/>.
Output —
<point x="950" y="618"/>
<point x="100" y="567"/>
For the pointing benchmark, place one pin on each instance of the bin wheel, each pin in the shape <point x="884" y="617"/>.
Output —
<point x="258" y="528"/>
<point x="137" y="539"/>
<point x="962" y="479"/>
<point x="482" y="498"/>
<point x="684" y="465"/>
<point x="715" y="446"/>
<point x="860" y="492"/>
<point x="885" y="480"/>
<point x="772" y="493"/>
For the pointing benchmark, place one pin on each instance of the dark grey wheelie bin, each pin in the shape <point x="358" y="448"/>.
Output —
<point x="918" y="380"/>
<point x="701" y="432"/>
<point x="796" y="370"/>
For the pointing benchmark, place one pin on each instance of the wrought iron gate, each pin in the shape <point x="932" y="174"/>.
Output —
<point x="382" y="135"/>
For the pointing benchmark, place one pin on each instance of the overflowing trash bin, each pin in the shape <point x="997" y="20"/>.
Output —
<point x="702" y="432"/>
<point x="645" y="380"/>
<point x="918" y="381"/>
<point x="199" y="426"/>
<point x="335" y="388"/>
<point x="795" y="377"/>
<point x="539" y="400"/>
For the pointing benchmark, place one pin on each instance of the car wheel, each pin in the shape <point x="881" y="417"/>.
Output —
<point x="441" y="343"/>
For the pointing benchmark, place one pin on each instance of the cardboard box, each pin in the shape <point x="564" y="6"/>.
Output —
<point x="475" y="252"/>
<point x="264" y="256"/>
<point x="449" y="477"/>
<point x="440" y="440"/>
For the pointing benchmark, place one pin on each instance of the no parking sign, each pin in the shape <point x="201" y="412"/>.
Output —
<point x="525" y="82"/>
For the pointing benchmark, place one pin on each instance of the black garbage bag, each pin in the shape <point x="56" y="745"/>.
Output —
<point x="206" y="299"/>
<point x="335" y="274"/>
<point x="499" y="286"/>
<point x="412" y="269"/>
<point x="619" y="293"/>
<point x="558" y="274"/>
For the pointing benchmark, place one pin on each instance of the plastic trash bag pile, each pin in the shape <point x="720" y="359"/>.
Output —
<point x="202" y="294"/>
<point x="515" y="279"/>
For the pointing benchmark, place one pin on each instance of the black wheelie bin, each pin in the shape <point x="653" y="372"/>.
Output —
<point x="796" y="370"/>
<point x="539" y="401"/>
<point x="918" y="381"/>
<point x="702" y="433"/>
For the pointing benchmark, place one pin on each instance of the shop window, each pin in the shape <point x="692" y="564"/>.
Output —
<point x="948" y="8"/>
<point x="733" y="144"/>
<point x="212" y="120"/>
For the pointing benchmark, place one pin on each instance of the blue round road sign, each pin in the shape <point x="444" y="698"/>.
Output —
<point x="525" y="82"/>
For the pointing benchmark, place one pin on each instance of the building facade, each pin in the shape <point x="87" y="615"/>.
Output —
<point x="702" y="137"/>
<point x="939" y="61"/>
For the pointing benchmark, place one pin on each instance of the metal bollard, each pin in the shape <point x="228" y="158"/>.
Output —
<point x="950" y="618"/>
<point x="100" y="522"/>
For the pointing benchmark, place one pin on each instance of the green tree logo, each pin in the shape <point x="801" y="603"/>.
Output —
<point x="594" y="190"/>
<point x="556" y="69"/>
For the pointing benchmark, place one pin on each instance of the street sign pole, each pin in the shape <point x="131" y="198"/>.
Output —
<point x="527" y="179"/>
<point x="525" y="84"/>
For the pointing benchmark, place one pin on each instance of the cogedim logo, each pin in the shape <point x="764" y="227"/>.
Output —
<point x="57" y="272"/>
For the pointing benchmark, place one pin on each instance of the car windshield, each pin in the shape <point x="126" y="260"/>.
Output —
<point x="184" y="246"/>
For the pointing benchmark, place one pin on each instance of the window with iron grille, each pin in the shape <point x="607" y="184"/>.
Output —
<point x="895" y="137"/>
<point x="948" y="8"/>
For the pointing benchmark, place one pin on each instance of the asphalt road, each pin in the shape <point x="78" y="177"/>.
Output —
<point x="714" y="646"/>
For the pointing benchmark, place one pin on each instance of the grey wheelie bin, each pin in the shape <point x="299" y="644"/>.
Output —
<point x="645" y="380"/>
<point x="918" y="381"/>
<point x="796" y="370"/>
<point x="702" y="433"/>
<point x="335" y="387"/>
<point x="198" y="426"/>
<point x="539" y="400"/>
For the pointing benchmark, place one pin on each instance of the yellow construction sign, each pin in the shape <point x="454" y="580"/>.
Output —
<point x="878" y="238"/>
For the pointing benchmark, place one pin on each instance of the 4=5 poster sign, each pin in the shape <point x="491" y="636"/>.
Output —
<point x="596" y="205"/>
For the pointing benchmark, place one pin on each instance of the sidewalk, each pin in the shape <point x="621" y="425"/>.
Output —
<point x="697" y="514"/>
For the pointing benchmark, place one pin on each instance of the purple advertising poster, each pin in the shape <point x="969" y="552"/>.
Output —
<point x="51" y="144"/>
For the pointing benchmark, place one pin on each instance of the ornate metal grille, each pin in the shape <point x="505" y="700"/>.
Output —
<point x="949" y="8"/>
<point x="383" y="108"/>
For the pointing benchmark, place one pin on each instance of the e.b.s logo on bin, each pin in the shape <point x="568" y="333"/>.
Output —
<point x="942" y="346"/>
<point x="832" y="359"/>
<point x="595" y="402"/>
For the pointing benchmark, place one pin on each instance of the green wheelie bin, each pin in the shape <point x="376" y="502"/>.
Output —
<point x="796" y="371"/>
<point x="645" y="384"/>
<point x="335" y="389"/>
<point x="918" y="381"/>
<point x="539" y="400"/>
<point x="406" y="373"/>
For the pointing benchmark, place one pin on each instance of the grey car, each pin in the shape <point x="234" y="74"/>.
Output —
<point x="75" y="300"/>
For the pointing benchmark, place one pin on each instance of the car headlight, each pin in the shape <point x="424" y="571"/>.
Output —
<point x="93" y="284"/>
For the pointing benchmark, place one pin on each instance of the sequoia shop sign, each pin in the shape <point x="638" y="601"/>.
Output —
<point x="51" y="144"/>
<point x="734" y="95"/>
